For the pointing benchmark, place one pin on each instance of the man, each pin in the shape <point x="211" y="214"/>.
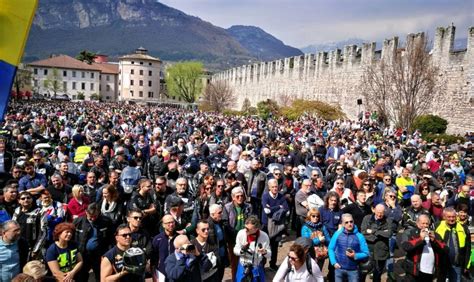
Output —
<point x="140" y="236"/>
<point x="377" y="229"/>
<point x="67" y="177"/>
<point x="144" y="201"/>
<point x="301" y="203"/>
<point x="162" y="190"/>
<point x="10" y="198"/>
<point x="346" y="249"/>
<point x="203" y="246"/>
<point x="406" y="188"/>
<point x="434" y="207"/>
<point x="13" y="250"/>
<point x="29" y="218"/>
<point x="457" y="239"/>
<point x="91" y="186"/>
<point x="112" y="264"/>
<point x="59" y="191"/>
<point x="198" y="178"/>
<point x="189" y="211"/>
<point x="157" y="165"/>
<point x="413" y="212"/>
<point x="119" y="162"/>
<point x="359" y="209"/>
<point x="100" y="170"/>
<point x="162" y="247"/>
<point x="256" y="184"/>
<point x="114" y="180"/>
<point x="252" y="245"/>
<point x="40" y="166"/>
<point x="274" y="205"/>
<point x="240" y="177"/>
<point x="235" y="213"/>
<point x="463" y="197"/>
<point x="186" y="263"/>
<point x="6" y="163"/>
<point x="424" y="251"/>
<point x="335" y="150"/>
<point x="32" y="182"/>
<point x="93" y="235"/>
<point x="217" y="237"/>
<point x="234" y="150"/>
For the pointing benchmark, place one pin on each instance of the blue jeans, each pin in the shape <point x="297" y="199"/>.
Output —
<point x="392" y="245"/>
<point x="351" y="275"/>
<point x="455" y="274"/>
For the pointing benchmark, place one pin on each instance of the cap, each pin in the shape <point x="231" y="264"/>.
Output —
<point x="175" y="201"/>
<point x="304" y="242"/>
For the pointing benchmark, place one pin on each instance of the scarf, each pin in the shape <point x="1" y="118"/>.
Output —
<point x="110" y="209"/>
<point x="314" y="226"/>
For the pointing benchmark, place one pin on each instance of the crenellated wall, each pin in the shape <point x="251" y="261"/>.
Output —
<point x="335" y="77"/>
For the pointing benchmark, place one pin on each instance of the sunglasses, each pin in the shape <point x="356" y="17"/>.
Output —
<point x="387" y="179"/>
<point x="220" y="185"/>
<point x="277" y="173"/>
<point x="159" y="183"/>
<point x="204" y="229"/>
<point x="366" y="184"/>
<point x="125" y="235"/>
<point x="314" y="216"/>
<point x="292" y="258"/>
<point x="339" y="168"/>
<point x="25" y="198"/>
<point x="36" y="160"/>
<point x="239" y="196"/>
<point x="339" y="183"/>
<point x="315" y="175"/>
<point x="392" y="196"/>
<point x="137" y="217"/>
<point x="350" y="221"/>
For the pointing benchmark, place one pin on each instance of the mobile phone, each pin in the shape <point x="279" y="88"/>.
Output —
<point x="350" y="250"/>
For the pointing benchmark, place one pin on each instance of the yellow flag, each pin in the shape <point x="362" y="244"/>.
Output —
<point x="16" y="17"/>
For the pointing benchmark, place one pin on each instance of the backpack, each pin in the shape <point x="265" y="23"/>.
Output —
<point x="309" y="265"/>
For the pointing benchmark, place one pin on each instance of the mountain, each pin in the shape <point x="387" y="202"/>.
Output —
<point x="329" y="46"/>
<point x="118" y="27"/>
<point x="261" y="44"/>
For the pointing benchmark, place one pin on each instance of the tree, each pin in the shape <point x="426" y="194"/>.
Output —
<point x="323" y="110"/>
<point x="246" y="106"/>
<point x="81" y="96"/>
<point x="95" y="96"/>
<point x="402" y="87"/>
<point x="268" y="109"/>
<point x="86" y="56"/>
<point x="54" y="83"/>
<point x="217" y="97"/>
<point x="185" y="80"/>
<point x="430" y="124"/>
<point x="285" y="99"/>
<point x="22" y="79"/>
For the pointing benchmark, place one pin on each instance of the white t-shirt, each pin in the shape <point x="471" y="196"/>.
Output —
<point x="427" y="261"/>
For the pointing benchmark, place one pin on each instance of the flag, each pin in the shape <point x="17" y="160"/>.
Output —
<point x="16" y="17"/>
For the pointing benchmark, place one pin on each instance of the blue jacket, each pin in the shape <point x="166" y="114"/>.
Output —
<point x="341" y="240"/>
<point x="330" y="219"/>
<point x="272" y="204"/>
<point x="306" y="232"/>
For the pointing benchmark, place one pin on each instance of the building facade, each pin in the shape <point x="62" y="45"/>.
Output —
<point x="139" y="77"/>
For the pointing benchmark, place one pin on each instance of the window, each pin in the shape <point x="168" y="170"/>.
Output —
<point x="149" y="83"/>
<point x="150" y="73"/>
<point x="131" y="93"/>
<point x="92" y="86"/>
<point x="107" y="78"/>
<point x="83" y="86"/>
<point x="141" y="72"/>
<point x="149" y="64"/>
<point x="35" y="83"/>
<point x="107" y="97"/>
<point x="73" y="73"/>
<point x="141" y="82"/>
<point x="140" y="93"/>
<point x="65" y="86"/>
<point x="131" y="82"/>
<point x="107" y="88"/>
<point x="74" y="85"/>
<point x="92" y="75"/>
<point x="133" y="62"/>
<point x="150" y="94"/>
<point x="141" y="63"/>
<point x="45" y="72"/>
<point x="64" y="73"/>
<point x="35" y="71"/>
<point x="83" y="75"/>
<point x="132" y="71"/>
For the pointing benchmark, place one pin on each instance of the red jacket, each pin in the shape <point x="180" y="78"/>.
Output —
<point x="413" y="244"/>
<point x="76" y="209"/>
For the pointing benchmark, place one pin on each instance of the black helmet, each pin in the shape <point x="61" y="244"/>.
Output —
<point x="134" y="261"/>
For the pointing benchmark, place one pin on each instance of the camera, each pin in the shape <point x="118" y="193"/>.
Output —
<point x="188" y="247"/>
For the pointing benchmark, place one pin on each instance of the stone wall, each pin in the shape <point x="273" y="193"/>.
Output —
<point x="335" y="77"/>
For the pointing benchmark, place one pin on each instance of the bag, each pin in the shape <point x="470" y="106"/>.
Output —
<point x="321" y="252"/>
<point x="274" y="229"/>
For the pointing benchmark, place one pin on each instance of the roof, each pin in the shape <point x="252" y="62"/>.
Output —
<point x="140" y="57"/>
<point x="64" y="62"/>
<point x="107" y="67"/>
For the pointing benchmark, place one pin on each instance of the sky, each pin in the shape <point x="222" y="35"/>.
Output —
<point x="303" y="22"/>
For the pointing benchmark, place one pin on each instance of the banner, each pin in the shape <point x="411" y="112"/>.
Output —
<point x="16" y="17"/>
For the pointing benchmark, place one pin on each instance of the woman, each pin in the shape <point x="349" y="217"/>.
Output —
<point x="345" y="194"/>
<point x="424" y="191"/>
<point x="140" y="160"/>
<point x="63" y="257"/>
<point x="397" y="168"/>
<point x="203" y="200"/>
<point x="78" y="204"/>
<point x="294" y="267"/>
<point x="369" y="189"/>
<point x="317" y="232"/>
<point x="394" y="211"/>
<point x="243" y="165"/>
<point x="209" y="180"/>
<point x="110" y="206"/>
<point x="331" y="218"/>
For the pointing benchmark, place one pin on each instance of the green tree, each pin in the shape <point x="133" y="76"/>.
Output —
<point x="95" y="96"/>
<point x="22" y="79"/>
<point x="86" y="56"/>
<point x="320" y="109"/>
<point x="54" y="82"/>
<point x="185" y="80"/>
<point x="268" y="109"/>
<point x="430" y="124"/>
<point x="81" y="96"/>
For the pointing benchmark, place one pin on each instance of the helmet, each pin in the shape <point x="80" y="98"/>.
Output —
<point x="134" y="260"/>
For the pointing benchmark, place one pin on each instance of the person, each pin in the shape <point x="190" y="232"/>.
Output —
<point x="186" y="262"/>
<point x="10" y="199"/>
<point x="78" y="204"/>
<point x="6" y="163"/>
<point x="406" y="187"/>
<point x="217" y="237"/>
<point x="393" y="211"/>
<point x="63" y="257"/>
<point x="111" y="206"/>
<point x="189" y="213"/>
<point x="424" y="249"/>
<point x="162" y="245"/>
<point x="13" y="250"/>
<point x="33" y="225"/>
<point x="359" y="209"/>
<point x="51" y="211"/>
<point x="252" y="245"/>
<point x="93" y="235"/>
<point x="143" y="199"/>
<point x="256" y="181"/>
<point x="457" y="239"/>
<point x="219" y="195"/>
<point x="294" y="267"/>
<point x="140" y="236"/>
<point x="318" y="233"/>
<point x="330" y="212"/>
<point x="37" y="270"/>
<point x="91" y="186"/>
<point x="275" y="208"/>
<point x="377" y="229"/>
<point x="112" y="263"/>
<point x="234" y="214"/>
<point x="202" y="244"/>
<point x="346" y="249"/>
<point x="32" y="182"/>
<point x="301" y="202"/>
<point x="412" y="212"/>
<point x="58" y="190"/>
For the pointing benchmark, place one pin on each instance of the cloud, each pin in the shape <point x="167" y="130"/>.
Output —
<point x="304" y="22"/>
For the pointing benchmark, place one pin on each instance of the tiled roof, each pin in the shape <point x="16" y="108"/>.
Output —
<point x="64" y="62"/>
<point x="107" y="67"/>
<point x="139" y="57"/>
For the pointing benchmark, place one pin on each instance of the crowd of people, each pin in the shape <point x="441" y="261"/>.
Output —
<point x="126" y="192"/>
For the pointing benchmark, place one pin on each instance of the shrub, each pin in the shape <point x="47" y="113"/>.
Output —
<point x="232" y="113"/>
<point x="430" y="124"/>
<point x="443" y="138"/>
<point x="267" y="109"/>
<point x="320" y="109"/>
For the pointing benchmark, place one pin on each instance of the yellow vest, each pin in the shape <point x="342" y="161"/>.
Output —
<point x="81" y="153"/>
<point x="443" y="227"/>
